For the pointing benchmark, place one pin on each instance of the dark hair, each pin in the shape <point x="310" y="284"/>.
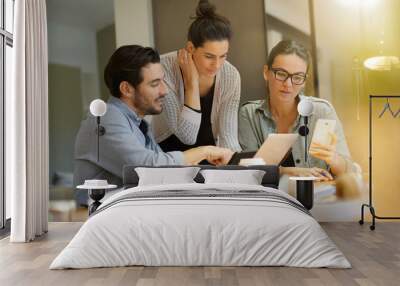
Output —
<point x="288" y="47"/>
<point x="126" y="64"/>
<point x="208" y="26"/>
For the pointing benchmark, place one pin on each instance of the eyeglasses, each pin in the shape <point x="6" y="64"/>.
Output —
<point x="282" y="75"/>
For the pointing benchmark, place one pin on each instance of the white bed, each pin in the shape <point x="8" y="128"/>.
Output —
<point x="222" y="225"/>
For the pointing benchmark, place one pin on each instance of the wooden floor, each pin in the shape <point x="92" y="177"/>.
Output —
<point x="374" y="255"/>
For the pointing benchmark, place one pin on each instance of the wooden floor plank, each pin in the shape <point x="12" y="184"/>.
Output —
<point x="375" y="257"/>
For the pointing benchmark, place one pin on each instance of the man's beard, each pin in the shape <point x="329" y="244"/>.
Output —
<point x="153" y="111"/>
<point x="148" y="109"/>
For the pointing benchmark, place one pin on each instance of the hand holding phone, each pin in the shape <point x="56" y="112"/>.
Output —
<point x="323" y="144"/>
<point x="323" y="130"/>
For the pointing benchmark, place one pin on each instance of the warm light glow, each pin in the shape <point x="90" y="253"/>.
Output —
<point x="382" y="63"/>
<point x="368" y="3"/>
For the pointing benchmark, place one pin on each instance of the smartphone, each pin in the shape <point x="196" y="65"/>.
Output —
<point x="322" y="130"/>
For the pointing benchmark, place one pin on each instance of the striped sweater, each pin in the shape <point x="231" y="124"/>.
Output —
<point x="184" y="122"/>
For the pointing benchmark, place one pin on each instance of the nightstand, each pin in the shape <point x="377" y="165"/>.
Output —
<point x="96" y="190"/>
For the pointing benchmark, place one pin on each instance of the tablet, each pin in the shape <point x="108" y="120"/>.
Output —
<point x="238" y="156"/>
<point x="276" y="147"/>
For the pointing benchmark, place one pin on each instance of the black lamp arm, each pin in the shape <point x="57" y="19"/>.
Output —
<point x="303" y="131"/>
<point x="100" y="131"/>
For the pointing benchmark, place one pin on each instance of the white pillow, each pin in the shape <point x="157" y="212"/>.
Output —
<point x="165" y="176"/>
<point x="248" y="177"/>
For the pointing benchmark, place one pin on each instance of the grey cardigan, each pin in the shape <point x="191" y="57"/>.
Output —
<point x="184" y="122"/>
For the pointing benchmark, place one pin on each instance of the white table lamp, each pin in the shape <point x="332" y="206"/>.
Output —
<point x="98" y="108"/>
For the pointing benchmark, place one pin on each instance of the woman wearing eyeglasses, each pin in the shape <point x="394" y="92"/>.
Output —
<point x="285" y="75"/>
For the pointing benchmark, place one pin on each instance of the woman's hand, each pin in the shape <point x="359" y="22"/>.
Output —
<point x="189" y="70"/>
<point x="219" y="156"/>
<point x="320" y="174"/>
<point x="326" y="153"/>
<point x="190" y="79"/>
<point x="214" y="155"/>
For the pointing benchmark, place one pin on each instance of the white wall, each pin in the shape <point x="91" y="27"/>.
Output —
<point x="72" y="46"/>
<point x="76" y="47"/>
<point x="91" y="14"/>
<point x="273" y="37"/>
<point x="134" y="22"/>
<point x="292" y="12"/>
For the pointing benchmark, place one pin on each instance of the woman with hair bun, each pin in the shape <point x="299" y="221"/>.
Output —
<point x="203" y="97"/>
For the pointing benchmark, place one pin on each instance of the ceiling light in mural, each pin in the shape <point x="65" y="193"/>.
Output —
<point x="382" y="63"/>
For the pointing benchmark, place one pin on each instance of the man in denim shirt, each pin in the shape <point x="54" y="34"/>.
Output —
<point x="135" y="79"/>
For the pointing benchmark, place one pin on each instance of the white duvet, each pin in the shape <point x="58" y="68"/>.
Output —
<point x="183" y="231"/>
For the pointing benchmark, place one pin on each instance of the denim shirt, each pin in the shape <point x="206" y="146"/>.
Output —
<point x="256" y="123"/>
<point x="123" y="143"/>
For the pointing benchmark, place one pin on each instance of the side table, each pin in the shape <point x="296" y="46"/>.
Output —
<point x="305" y="190"/>
<point x="96" y="190"/>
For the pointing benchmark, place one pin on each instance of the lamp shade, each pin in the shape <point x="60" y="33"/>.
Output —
<point x="98" y="107"/>
<point x="305" y="107"/>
